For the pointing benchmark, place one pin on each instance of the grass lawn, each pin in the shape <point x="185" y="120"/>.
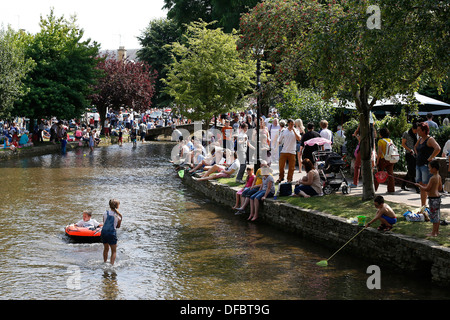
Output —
<point x="348" y="206"/>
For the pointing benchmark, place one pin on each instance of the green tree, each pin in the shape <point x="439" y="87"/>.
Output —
<point x="14" y="66"/>
<point x="306" y="104"/>
<point x="226" y="12"/>
<point x="207" y="76"/>
<point x="158" y="34"/>
<point x="65" y="69"/>
<point x="370" y="52"/>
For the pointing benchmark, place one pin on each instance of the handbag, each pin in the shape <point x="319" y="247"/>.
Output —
<point x="285" y="189"/>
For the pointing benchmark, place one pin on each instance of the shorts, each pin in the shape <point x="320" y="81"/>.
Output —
<point x="242" y="190"/>
<point x="258" y="195"/>
<point x="389" y="220"/>
<point x="222" y="174"/>
<point x="423" y="174"/>
<point x="249" y="192"/>
<point x="435" y="209"/>
<point x="110" y="239"/>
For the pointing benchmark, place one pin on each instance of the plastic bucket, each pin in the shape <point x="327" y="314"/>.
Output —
<point x="361" y="220"/>
<point x="381" y="176"/>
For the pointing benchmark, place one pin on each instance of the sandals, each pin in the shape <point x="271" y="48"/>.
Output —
<point x="384" y="227"/>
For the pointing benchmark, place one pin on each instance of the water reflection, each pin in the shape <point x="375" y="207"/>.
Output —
<point x="109" y="286"/>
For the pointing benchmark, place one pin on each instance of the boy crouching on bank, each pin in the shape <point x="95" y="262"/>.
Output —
<point x="384" y="213"/>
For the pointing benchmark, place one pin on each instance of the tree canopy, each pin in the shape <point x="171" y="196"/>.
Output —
<point x="123" y="84"/>
<point x="14" y="66"/>
<point x="335" y="43"/>
<point x="154" y="39"/>
<point x="207" y="76"/>
<point x="226" y="12"/>
<point x="64" y="72"/>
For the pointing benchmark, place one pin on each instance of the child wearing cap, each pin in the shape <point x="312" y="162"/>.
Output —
<point x="266" y="190"/>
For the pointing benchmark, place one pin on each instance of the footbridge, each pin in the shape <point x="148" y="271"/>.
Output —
<point x="153" y="134"/>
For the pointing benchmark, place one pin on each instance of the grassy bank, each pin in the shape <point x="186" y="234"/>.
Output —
<point x="348" y="206"/>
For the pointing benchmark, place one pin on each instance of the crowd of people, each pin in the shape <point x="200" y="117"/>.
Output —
<point x="230" y="153"/>
<point x="231" y="150"/>
<point x="18" y="134"/>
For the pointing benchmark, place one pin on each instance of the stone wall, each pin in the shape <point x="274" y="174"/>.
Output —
<point x="398" y="251"/>
<point x="36" y="151"/>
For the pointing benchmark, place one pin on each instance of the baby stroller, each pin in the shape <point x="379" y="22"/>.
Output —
<point x="330" y="166"/>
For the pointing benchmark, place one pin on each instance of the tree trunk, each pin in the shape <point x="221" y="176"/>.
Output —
<point x="366" y="157"/>
<point x="366" y="144"/>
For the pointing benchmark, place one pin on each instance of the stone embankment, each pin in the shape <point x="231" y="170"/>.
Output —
<point x="411" y="255"/>
<point x="36" y="151"/>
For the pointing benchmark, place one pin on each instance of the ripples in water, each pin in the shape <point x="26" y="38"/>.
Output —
<point x="173" y="244"/>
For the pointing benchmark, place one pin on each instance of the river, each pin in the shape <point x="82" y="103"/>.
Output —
<point x="173" y="244"/>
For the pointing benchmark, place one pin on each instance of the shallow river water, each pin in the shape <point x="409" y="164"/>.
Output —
<point x="173" y="244"/>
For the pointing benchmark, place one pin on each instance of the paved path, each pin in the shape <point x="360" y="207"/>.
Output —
<point x="407" y="197"/>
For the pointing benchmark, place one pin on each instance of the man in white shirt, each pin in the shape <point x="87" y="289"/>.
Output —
<point x="326" y="133"/>
<point x="288" y="138"/>
<point x="224" y="171"/>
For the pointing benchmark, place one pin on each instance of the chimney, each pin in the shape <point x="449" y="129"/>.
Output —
<point x="121" y="53"/>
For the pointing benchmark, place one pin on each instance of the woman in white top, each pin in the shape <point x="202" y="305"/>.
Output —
<point x="301" y="128"/>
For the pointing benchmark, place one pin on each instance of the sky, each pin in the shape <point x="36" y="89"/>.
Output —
<point x="109" y="23"/>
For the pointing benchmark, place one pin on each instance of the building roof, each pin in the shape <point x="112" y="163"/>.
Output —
<point x="131" y="53"/>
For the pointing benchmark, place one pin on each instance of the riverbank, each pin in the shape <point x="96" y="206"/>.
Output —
<point x="50" y="148"/>
<point x="419" y="257"/>
<point x="38" y="150"/>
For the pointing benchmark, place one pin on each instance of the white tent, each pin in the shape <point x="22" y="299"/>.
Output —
<point x="421" y="99"/>
<point x="426" y="104"/>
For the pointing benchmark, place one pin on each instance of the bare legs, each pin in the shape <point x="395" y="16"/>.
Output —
<point x="113" y="252"/>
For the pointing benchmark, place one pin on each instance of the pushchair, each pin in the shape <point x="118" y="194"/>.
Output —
<point x="330" y="166"/>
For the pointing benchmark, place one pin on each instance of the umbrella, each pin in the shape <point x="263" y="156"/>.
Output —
<point x="319" y="141"/>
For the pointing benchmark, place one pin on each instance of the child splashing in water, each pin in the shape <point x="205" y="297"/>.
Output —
<point x="112" y="220"/>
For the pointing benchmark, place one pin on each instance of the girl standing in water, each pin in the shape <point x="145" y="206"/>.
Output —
<point x="112" y="220"/>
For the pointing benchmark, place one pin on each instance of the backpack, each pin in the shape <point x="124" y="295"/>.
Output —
<point x="391" y="153"/>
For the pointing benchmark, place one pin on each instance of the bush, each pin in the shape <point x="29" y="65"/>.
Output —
<point x="441" y="135"/>
<point x="305" y="104"/>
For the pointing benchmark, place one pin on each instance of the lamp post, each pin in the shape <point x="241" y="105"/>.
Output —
<point x="259" y="53"/>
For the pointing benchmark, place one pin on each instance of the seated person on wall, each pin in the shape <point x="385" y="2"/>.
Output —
<point x="196" y="158"/>
<point x="310" y="184"/>
<point x="248" y="183"/>
<point x="8" y="145"/>
<point x="266" y="190"/>
<point x="24" y="141"/>
<point x="209" y="160"/>
<point x="247" y="193"/>
<point x="224" y="171"/>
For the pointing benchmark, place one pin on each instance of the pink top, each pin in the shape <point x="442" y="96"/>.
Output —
<point x="250" y="181"/>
